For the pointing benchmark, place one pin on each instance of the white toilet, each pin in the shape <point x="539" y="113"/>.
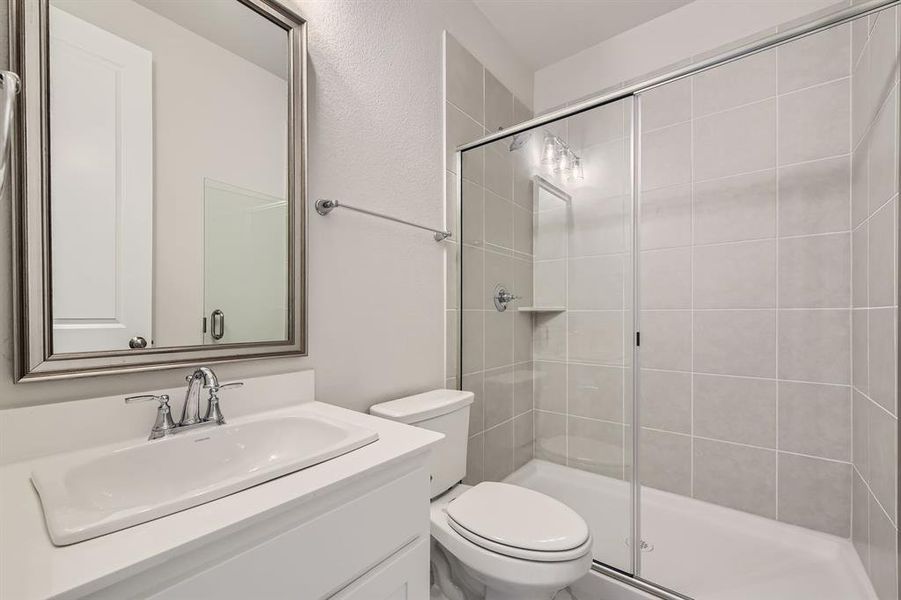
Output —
<point x="508" y="541"/>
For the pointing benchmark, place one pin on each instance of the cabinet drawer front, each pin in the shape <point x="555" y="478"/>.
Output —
<point x="321" y="556"/>
<point x="404" y="576"/>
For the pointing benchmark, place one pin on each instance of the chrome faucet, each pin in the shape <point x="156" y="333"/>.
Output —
<point x="201" y="378"/>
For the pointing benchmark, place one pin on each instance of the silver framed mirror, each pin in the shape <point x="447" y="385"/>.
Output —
<point x="159" y="184"/>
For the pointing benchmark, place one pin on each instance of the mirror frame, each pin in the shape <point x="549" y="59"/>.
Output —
<point x="29" y="178"/>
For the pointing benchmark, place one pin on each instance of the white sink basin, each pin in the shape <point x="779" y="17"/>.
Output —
<point x="99" y="491"/>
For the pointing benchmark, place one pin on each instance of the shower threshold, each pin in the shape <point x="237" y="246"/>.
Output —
<point x="703" y="550"/>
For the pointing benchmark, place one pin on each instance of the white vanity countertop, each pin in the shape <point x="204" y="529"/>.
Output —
<point x="32" y="568"/>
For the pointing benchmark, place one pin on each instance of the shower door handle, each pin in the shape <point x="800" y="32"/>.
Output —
<point x="217" y="324"/>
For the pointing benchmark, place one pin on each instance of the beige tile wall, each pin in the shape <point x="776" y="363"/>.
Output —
<point x="874" y="218"/>
<point x="496" y="244"/>
<point x="746" y="285"/>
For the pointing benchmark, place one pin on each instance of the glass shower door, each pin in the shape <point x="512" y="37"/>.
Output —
<point x="546" y="297"/>
<point x="768" y="236"/>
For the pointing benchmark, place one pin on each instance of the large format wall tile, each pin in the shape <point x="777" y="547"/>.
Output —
<point x="595" y="283"/>
<point x="498" y="104"/>
<point x="666" y="278"/>
<point x="666" y="339"/>
<point x="883" y="553"/>
<point x="475" y="383"/>
<point x="523" y="439"/>
<point x="735" y="342"/>
<point x="550" y="386"/>
<point x="475" y="460"/>
<point x="742" y="207"/>
<point x="881" y="257"/>
<point x="666" y="461"/>
<point x="740" y="82"/>
<point x="860" y="433"/>
<point x="860" y="193"/>
<point x="815" y="345"/>
<point x="597" y="226"/>
<point x="859" y="259"/>
<point x="597" y="126"/>
<point x="813" y="123"/>
<point x="883" y="457"/>
<point x="464" y="80"/>
<point x="498" y="396"/>
<point x="815" y="419"/>
<point x="499" y="446"/>
<point x="736" y="476"/>
<point x="595" y="336"/>
<point x="595" y="392"/>
<point x="882" y="377"/>
<point x="666" y="400"/>
<point x="666" y="217"/>
<point x="666" y="157"/>
<point x="549" y="336"/>
<point x="736" y="141"/>
<point x="550" y="437"/>
<point x="860" y="515"/>
<point x="741" y="275"/>
<point x="859" y="349"/>
<point x="814" y="197"/>
<point x="804" y="280"/>
<point x="881" y="142"/>
<point x="666" y="105"/>
<point x="814" y="59"/>
<point x="461" y="129"/>
<point x="884" y="57"/>
<point x="595" y="446"/>
<point x="815" y="493"/>
<point x="735" y="409"/>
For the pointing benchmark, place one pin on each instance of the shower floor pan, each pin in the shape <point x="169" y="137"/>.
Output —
<point x="705" y="551"/>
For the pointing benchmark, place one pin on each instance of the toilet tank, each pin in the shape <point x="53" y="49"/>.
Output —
<point x="444" y="411"/>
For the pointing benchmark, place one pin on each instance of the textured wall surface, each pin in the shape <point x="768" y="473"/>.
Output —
<point x="376" y="290"/>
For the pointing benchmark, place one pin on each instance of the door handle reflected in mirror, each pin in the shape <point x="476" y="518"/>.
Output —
<point x="217" y="324"/>
<point x="137" y="342"/>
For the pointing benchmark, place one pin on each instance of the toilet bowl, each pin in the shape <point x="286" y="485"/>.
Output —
<point x="508" y="571"/>
<point x="502" y="541"/>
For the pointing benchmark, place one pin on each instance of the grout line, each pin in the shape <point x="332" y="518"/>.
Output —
<point x="776" y="281"/>
<point x="692" y="238"/>
<point x="721" y="111"/>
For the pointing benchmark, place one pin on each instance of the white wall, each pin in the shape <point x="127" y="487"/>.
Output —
<point x="693" y="29"/>
<point x="376" y="290"/>
<point x="230" y="125"/>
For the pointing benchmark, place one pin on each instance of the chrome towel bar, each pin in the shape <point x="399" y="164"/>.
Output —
<point x="324" y="207"/>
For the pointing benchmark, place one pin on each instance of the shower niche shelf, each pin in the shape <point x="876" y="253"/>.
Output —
<point x="542" y="309"/>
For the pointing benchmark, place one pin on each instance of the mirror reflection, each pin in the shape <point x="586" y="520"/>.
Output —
<point x="169" y="134"/>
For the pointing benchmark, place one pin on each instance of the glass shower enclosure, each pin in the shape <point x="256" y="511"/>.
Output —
<point x="755" y="197"/>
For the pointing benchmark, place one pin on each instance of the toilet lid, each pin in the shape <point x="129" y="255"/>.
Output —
<point x="517" y="517"/>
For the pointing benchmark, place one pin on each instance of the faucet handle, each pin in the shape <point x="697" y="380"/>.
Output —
<point x="229" y="385"/>
<point x="213" y="413"/>
<point x="162" y="399"/>
<point x="164" y="423"/>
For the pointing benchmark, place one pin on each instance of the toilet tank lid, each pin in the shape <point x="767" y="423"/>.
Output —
<point x="413" y="409"/>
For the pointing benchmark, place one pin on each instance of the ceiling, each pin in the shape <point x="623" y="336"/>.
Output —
<point x="545" y="31"/>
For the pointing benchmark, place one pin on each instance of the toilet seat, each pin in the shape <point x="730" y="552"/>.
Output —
<point x="519" y="522"/>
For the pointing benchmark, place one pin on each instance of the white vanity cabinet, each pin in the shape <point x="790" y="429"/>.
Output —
<point x="369" y="540"/>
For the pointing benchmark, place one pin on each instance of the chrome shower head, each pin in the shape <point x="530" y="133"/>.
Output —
<point x="519" y="140"/>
